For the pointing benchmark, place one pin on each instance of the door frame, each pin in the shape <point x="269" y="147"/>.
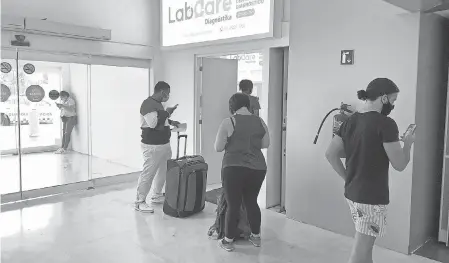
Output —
<point x="198" y="89"/>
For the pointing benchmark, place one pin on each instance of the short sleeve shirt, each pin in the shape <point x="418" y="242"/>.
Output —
<point x="253" y="104"/>
<point x="367" y="163"/>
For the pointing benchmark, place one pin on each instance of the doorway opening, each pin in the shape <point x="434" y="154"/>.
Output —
<point x="216" y="80"/>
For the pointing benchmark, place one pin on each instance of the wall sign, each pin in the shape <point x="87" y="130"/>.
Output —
<point x="6" y="67"/>
<point x="5" y="93"/>
<point x="54" y="94"/>
<point x="20" y="41"/>
<point x="347" y="57"/>
<point x="194" y="21"/>
<point x="29" y="68"/>
<point x="35" y="93"/>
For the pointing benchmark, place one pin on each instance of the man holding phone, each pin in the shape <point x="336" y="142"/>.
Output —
<point x="369" y="141"/>
<point x="68" y="118"/>
<point x="155" y="144"/>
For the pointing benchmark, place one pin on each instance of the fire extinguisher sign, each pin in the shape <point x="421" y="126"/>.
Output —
<point x="347" y="57"/>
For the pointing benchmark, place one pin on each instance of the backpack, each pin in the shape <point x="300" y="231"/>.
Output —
<point x="218" y="227"/>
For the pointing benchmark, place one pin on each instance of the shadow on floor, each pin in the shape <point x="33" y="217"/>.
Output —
<point x="435" y="251"/>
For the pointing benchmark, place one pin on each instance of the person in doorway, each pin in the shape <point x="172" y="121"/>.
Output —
<point x="155" y="145"/>
<point x="242" y="137"/>
<point x="369" y="140"/>
<point x="68" y="118"/>
<point x="246" y="87"/>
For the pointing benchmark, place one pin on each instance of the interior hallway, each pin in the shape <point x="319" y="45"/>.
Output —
<point x="101" y="226"/>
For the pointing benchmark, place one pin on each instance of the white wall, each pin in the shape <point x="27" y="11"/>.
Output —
<point x="386" y="45"/>
<point x="116" y="96"/>
<point x="430" y="118"/>
<point x="130" y="22"/>
<point x="135" y="27"/>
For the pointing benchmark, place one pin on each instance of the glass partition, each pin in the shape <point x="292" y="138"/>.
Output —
<point x="9" y="129"/>
<point x="53" y="123"/>
<point x="63" y="125"/>
<point x="116" y="96"/>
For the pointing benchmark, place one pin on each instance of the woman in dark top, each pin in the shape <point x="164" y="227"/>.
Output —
<point x="242" y="137"/>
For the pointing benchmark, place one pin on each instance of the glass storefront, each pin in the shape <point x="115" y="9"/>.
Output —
<point x="104" y="134"/>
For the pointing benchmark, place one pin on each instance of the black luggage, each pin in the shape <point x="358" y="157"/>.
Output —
<point x="185" y="186"/>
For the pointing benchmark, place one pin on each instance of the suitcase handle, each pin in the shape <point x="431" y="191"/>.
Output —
<point x="185" y="144"/>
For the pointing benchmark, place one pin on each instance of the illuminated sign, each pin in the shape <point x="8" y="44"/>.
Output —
<point x="194" y="21"/>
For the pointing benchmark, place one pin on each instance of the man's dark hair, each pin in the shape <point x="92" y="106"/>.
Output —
<point x="376" y="88"/>
<point x="64" y="94"/>
<point x="161" y="86"/>
<point x="238" y="101"/>
<point x="246" y="85"/>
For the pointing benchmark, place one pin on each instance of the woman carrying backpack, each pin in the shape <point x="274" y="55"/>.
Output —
<point x="242" y="137"/>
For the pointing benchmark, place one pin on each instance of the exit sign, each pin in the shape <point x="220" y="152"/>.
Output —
<point x="347" y="57"/>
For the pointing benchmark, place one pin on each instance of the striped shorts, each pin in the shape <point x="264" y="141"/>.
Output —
<point x="370" y="220"/>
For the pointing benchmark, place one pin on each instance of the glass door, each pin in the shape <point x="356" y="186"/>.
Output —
<point x="63" y="119"/>
<point x="40" y="117"/>
<point x="9" y="128"/>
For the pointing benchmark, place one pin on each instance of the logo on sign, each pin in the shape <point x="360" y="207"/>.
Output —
<point x="347" y="57"/>
<point x="199" y="10"/>
<point x="5" y="93"/>
<point x="35" y="93"/>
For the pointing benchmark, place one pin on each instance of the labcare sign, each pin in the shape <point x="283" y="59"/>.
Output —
<point x="194" y="21"/>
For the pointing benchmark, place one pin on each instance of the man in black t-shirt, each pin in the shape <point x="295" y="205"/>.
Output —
<point x="369" y="140"/>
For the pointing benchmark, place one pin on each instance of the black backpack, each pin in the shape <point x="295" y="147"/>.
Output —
<point x="218" y="227"/>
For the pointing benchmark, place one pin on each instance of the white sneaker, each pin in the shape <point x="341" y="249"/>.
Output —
<point x="60" y="151"/>
<point x="144" y="208"/>
<point x="158" y="199"/>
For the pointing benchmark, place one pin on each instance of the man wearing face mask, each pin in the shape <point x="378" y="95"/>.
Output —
<point x="155" y="145"/>
<point x="369" y="140"/>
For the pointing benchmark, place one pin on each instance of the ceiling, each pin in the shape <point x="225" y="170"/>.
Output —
<point x="422" y="5"/>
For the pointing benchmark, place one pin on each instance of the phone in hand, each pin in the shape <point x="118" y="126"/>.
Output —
<point x="410" y="130"/>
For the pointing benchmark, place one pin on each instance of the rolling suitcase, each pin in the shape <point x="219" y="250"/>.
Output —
<point x="185" y="185"/>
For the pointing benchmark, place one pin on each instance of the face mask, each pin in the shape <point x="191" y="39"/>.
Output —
<point x="387" y="108"/>
<point x="166" y="97"/>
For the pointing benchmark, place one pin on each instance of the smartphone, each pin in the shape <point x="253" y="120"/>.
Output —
<point x="410" y="130"/>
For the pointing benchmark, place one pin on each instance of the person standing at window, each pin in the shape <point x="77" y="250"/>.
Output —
<point x="242" y="137"/>
<point x="246" y="87"/>
<point x="68" y="118"/>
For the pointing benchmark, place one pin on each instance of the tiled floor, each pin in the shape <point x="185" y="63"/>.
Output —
<point x="101" y="226"/>
<point x="41" y="170"/>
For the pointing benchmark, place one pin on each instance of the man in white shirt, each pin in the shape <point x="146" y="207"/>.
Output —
<point x="155" y="144"/>
<point x="68" y="117"/>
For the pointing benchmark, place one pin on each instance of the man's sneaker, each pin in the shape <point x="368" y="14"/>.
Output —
<point x="144" y="208"/>
<point x="256" y="241"/>
<point x="228" y="246"/>
<point x="158" y="199"/>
